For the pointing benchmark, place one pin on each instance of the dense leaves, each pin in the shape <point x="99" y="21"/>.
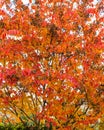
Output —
<point x="52" y="63"/>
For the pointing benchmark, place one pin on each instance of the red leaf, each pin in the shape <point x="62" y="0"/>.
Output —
<point x="13" y="32"/>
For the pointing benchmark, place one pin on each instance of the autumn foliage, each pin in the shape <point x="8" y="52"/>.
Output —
<point x="52" y="63"/>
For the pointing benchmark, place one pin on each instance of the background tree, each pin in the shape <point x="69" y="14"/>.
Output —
<point x="51" y="55"/>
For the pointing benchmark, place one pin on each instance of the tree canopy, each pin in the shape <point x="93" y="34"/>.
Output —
<point x="52" y="63"/>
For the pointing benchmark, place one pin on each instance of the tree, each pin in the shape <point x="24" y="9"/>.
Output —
<point x="51" y="55"/>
